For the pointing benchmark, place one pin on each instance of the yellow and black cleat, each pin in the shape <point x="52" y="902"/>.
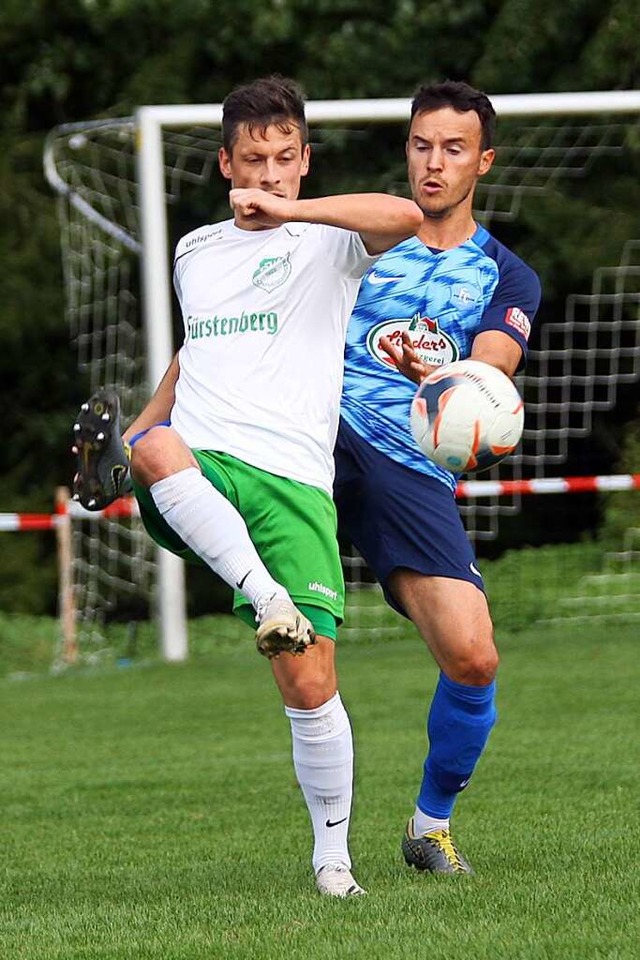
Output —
<point x="434" y="852"/>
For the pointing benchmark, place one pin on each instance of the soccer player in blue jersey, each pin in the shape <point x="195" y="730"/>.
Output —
<point x="451" y="292"/>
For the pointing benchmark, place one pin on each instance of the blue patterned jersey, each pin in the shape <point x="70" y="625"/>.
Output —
<point x="443" y="298"/>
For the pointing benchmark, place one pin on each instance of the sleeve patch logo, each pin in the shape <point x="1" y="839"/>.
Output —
<point x="517" y="318"/>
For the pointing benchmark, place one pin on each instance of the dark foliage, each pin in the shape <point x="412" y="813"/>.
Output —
<point x="68" y="60"/>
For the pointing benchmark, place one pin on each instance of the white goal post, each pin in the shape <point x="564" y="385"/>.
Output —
<point x="156" y="274"/>
<point x="117" y="176"/>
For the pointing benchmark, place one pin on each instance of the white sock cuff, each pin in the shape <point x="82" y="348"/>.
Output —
<point x="321" y="711"/>
<point x="325" y="722"/>
<point x="170" y="490"/>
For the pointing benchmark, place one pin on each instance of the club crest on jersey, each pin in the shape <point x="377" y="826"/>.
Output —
<point x="465" y="295"/>
<point x="272" y="272"/>
<point x="432" y="344"/>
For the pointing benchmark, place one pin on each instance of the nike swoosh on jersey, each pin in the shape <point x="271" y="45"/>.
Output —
<point x="376" y="278"/>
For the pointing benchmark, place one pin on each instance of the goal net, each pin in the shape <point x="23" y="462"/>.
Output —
<point x="127" y="189"/>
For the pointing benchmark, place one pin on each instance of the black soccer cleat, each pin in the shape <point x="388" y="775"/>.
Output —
<point x="103" y="458"/>
<point x="434" y="852"/>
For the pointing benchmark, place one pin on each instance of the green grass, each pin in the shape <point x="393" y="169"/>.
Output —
<point x="152" y="811"/>
<point x="531" y="583"/>
<point x="524" y="586"/>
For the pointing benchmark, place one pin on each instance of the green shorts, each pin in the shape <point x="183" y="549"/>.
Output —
<point x="292" y="525"/>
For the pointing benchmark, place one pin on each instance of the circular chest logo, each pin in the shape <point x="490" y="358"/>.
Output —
<point x="432" y="344"/>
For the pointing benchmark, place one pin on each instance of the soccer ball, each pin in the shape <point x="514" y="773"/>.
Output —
<point x="467" y="416"/>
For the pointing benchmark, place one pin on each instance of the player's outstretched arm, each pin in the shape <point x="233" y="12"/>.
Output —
<point x="381" y="220"/>
<point x="492" y="346"/>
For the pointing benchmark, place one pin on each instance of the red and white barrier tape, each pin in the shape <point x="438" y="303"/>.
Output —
<point x="124" y="507"/>
<point x="27" y="521"/>
<point x="502" y="488"/>
<point x="466" y="489"/>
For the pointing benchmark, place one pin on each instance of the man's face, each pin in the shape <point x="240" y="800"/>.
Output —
<point x="444" y="160"/>
<point x="272" y="159"/>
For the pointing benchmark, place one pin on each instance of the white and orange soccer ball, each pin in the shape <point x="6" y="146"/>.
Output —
<point x="467" y="416"/>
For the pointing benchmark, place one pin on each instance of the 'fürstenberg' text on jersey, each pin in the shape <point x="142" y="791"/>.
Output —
<point x="265" y="315"/>
<point x="443" y="299"/>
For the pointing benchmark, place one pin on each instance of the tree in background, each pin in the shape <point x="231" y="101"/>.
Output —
<point x="67" y="60"/>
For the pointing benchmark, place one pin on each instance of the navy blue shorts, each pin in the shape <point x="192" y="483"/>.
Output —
<point x="397" y="517"/>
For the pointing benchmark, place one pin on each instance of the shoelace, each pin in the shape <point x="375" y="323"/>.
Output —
<point x="441" y="839"/>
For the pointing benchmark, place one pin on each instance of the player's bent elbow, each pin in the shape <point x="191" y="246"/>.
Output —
<point x="410" y="216"/>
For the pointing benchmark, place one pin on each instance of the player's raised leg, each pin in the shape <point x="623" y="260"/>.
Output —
<point x="184" y="510"/>
<point x="199" y="514"/>
<point x="206" y="522"/>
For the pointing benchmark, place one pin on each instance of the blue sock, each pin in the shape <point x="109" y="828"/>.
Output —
<point x="460" y="721"/>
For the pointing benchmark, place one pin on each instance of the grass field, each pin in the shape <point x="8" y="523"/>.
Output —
<point x="152" y="812"/>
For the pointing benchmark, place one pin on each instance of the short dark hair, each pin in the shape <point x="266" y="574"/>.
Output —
<point x="460" y="96"/>
<point x="265" y="102"/>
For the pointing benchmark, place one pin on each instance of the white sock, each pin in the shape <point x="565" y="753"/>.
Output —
<point x="214" y="529"/>
<point x="323" y="761"/>
<point x="423" y="823"/>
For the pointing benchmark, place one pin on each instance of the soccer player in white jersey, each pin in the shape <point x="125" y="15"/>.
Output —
<point x="451" y="292"/>
<point x="232" y="457"/>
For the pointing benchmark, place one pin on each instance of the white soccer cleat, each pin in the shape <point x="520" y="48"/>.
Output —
<point x="282" y="628"/>
<point x="336" y="880"/>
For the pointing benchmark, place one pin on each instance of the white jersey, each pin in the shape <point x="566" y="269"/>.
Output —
<point x="265" y="315"/>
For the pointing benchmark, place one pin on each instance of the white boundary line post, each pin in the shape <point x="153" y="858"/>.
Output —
<point x="66" y="598"/>
<point x="170" y="602"/>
